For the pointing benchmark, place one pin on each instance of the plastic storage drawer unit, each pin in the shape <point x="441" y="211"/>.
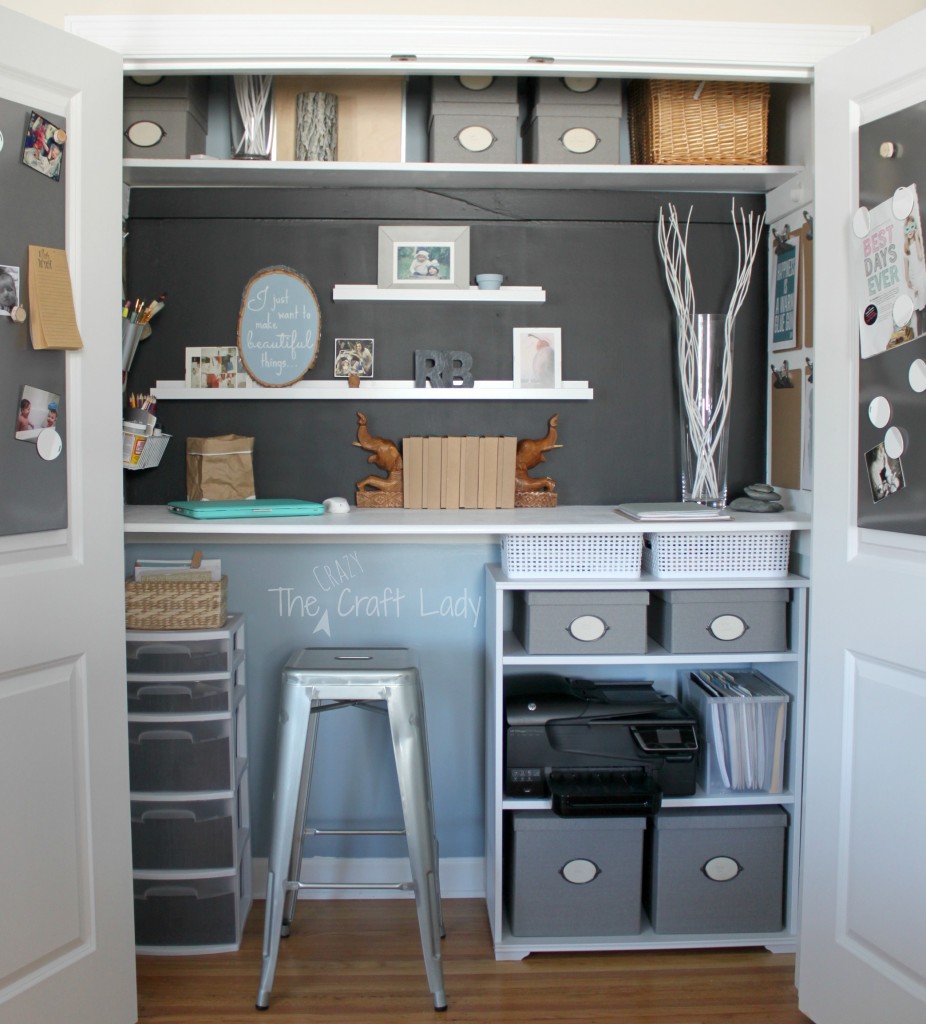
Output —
<point x="719" y="621"/>
<point x="716" y="871"/>
<point x="186" y="756"/>
<point x="575" y="876"/>
<point x="203" y="911"/>
<point x="583" y="622"/>
<point x="185" y="835"/>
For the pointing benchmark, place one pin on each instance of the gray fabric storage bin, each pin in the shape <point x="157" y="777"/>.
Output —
<point x="603" y="857"/>
<point x="183" y="128"/>
<point x="556" y="621"/>
<point x="720" y="621"/>
<point x="572" y="127"/>
<point x="473" y="125"/>
<point x="719" y="870"/>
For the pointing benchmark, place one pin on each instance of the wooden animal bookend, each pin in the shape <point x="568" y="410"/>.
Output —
<point x="379" y="491"/>
<point x="535" y="492"/>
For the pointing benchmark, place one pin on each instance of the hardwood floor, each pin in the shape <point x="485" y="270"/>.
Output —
<point x="359" y="962"/>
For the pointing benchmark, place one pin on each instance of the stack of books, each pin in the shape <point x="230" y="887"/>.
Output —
<point x="166" y="570"/>
<point x="458" y="472"/>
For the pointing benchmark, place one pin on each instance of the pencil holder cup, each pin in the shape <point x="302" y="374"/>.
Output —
<point x="131" y="334"/>
<point x="705" y="376"/>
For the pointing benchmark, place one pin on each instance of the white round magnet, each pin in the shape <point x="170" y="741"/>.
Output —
<point x="917" y="375"/>
<point x="879" y="412"/>
<point x="902" y="202"/>
<point x="1" y="140"/>
<point x="902" y="310"/>
<point x="894" y="443"/>
<point x="49" y="444"/>
<point x="861" y="222"/>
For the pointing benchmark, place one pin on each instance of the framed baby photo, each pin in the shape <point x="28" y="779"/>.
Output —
<point x="538" y="357"/>
<point x="43" y="147"/>
<point x="423" y="257"/>
<point x="9" y="289"/>
<point x="353" y="357"/>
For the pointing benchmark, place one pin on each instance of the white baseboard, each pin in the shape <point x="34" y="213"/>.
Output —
<point x="460" y="877"/>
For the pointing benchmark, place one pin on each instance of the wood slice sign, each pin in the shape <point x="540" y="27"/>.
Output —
<point x="279" y="326"/>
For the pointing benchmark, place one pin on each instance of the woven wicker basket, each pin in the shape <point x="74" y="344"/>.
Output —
<point x="176" y="604"/>
<point x="682" y="122"/>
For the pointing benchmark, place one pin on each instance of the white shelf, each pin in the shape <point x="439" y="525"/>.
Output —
<point x="299" y="174"/>
<point x="373" y="390"/>
<point x="371" y="293"/>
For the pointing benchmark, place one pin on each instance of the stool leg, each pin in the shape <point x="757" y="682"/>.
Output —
<point x="406" y="720"/>
<point x="302" y="809"/>
<point x="293" y="733"/>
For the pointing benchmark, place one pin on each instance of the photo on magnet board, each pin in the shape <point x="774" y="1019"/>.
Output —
<point x="537" y="357"/>
<point x="885" y="474"/>
<point x="43" y="148"/>
<point x="37" y="410"/>
<point x="353" y="357"/>
<point x="9" y="288"/>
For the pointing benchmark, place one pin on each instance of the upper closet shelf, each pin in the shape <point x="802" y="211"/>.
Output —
<point x="300" y="174"/>
<point x="370" y="293"/>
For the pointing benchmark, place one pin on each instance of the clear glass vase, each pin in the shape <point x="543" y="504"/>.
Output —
<point x="705" y="354"/>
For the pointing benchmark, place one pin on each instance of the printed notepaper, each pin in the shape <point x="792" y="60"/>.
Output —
<point x="52" y="323"/>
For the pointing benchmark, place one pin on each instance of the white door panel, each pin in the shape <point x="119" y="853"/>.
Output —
<point x="66" y="933"/>
<point x="863" y="945"/>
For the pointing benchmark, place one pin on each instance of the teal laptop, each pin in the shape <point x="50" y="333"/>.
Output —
<point x="246" y="508"/>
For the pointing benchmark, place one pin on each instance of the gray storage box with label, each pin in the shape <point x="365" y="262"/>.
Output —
<point x="575" y="876"/>
<point x="177" y="105"/>
<point x="583" y="622"/>
<point x="474" y="119"/>
<point x="717" y="870"/>
<point x="574" y="121"/>
<point x="719" y="621"/>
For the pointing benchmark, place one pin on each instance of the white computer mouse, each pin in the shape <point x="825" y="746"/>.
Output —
<point x="336" y="505"/>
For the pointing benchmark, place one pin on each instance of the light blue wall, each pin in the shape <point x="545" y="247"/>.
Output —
<point x="427" y="596"/>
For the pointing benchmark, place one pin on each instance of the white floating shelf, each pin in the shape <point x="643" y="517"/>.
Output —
<point x="373" y="390"/>
<point x="370" y="293"/>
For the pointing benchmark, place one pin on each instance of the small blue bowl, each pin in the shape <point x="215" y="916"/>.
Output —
<point x="489" y="282"/>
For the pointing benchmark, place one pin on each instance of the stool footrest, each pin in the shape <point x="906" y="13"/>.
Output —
<point x="401" y="886"/>
<point x="354" y="832"/>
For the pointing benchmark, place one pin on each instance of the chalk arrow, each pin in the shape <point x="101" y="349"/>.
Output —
<point x="323" y="626"/>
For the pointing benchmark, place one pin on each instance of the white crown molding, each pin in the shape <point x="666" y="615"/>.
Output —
<point x="223" y="43"/>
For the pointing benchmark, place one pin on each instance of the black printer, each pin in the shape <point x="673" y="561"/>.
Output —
<point x="597" y="748"/>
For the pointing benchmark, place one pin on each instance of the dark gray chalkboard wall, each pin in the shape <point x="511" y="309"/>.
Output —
<point x="595" y="253"/>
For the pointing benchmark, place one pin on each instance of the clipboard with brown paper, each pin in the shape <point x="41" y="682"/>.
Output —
<point x="52" y="321"/>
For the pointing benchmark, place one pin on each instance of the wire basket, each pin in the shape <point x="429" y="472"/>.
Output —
<point x="590" y="555"/>
<point x="140" y="452"/>
<point x="717" y="554"/>
<point x="684" y="122"/>
<point x="176" y="604"/>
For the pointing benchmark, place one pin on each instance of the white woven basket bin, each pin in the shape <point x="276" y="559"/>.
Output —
<point x="717" y="554"/>
<point x="602" y="556"/>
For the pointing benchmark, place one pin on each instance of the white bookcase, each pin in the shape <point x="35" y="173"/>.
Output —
<point x="191" y="842"/>
<point x="506" y="656"/>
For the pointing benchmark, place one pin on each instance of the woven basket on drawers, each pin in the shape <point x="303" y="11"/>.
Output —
<point x="176" y="604"/>
<point x="684" y="122"/>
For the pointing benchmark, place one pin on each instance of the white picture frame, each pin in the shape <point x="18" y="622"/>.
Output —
<point x="353" y="357"/>
<point x="423" y="256"/>
<point x="538" y="357"/>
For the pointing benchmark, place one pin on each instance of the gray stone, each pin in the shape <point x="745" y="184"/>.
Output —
<point x="754" y="505"/>
<point x="762" y="492"/>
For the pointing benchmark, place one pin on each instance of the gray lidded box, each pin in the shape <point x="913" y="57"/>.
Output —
<point x="583" y="621"/>
<point x="575" y="876"/>
<point x="193" y="90"/>
<point x="473" y="125"/>
<point x="717" y="871"/>
<point x="183" y="129"/>
<point x="574" y="127"/>
<point x="720" y="621"/>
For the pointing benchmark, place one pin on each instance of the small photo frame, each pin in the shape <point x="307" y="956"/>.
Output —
<point x="423" y="257"/>
<point x="36" y="411"/>
<point x="217" y="367"/>
<point x="9" y="289"/>
<point x="353" y="357"/>
<point x="885" y="474"/>
<point x="43" y="148"/>
<point x="538" y="357"/>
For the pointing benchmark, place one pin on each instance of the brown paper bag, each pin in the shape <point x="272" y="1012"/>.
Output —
<point x="219" y="468"/>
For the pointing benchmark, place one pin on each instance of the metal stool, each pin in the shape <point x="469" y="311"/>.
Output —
<point x="320" y="679"/>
